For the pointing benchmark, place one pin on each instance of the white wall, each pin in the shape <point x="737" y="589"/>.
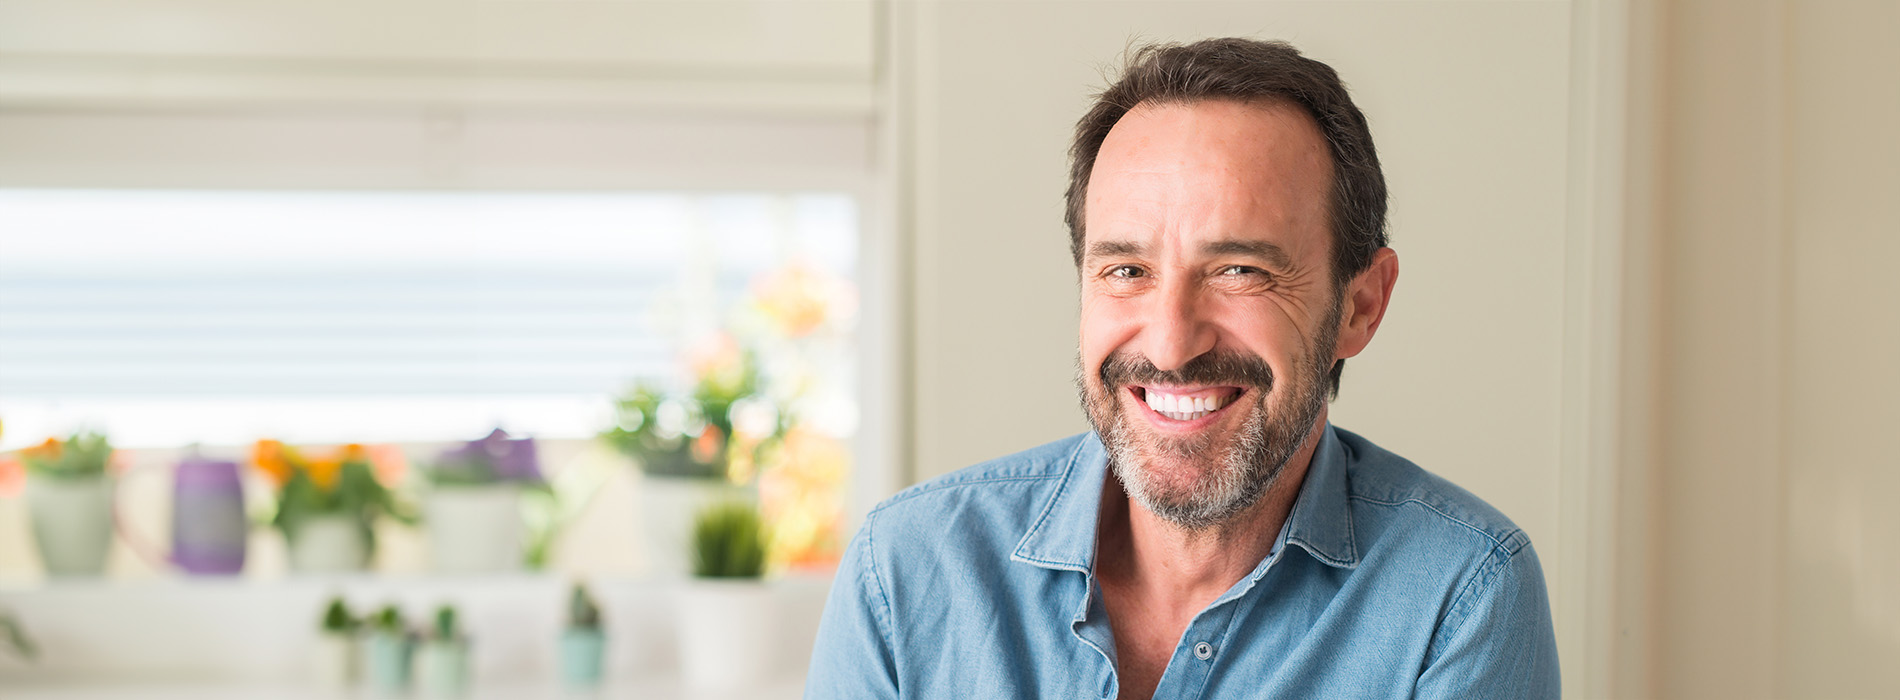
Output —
<point x="1478" y="371"/>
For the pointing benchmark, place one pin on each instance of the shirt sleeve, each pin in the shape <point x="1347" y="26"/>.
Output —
<point x="853" y="657"/>
<point x="1497" y="641"/>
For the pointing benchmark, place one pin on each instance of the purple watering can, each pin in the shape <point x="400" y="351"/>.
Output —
<point x="209" y="527"/>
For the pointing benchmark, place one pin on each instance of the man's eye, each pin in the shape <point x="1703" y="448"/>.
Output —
<point x="1127" y="272"/>
<point x="1235" y="270"/>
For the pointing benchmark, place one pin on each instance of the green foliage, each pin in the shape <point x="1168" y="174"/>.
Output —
<point x="358" y="496"/>
<point x="446" y="627"/>
<point x="81" y="456"/>
<point x="337" y="618"/>
<point x="389" y="621"/>
<point x="582" y="612"/>
<point x="15" y="638"/>
<point x="666" y="445"/>
<point x="729" y="541"/>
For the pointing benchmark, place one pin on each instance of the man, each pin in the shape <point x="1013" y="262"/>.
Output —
<point x="1213" y="536"/>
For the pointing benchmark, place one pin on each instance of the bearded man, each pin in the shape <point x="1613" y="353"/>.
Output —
<point x="1214" y="536"/>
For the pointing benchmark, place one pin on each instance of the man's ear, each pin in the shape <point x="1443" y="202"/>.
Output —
<point x="1364" y="302"/>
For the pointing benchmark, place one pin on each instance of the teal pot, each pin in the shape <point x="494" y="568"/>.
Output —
<point x="668" y="505"/>
<point x="475" y="529"/>
<point x="72" y="523"/>
<point x="328" y="544"/>
<point x="443" y="668"/>
<point x="581" y="654"/>
<point x="389" y="657"/>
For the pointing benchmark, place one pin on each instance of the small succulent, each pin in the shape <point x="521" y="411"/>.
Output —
<point x="582" y="611"/>
<point x="337" y="618"/>
<point x="447" y="627"/>
<point x="389" y="621"/>
<point x="729" y="541"/>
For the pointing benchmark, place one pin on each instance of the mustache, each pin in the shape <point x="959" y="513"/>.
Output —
<point x="1121" y="368"/>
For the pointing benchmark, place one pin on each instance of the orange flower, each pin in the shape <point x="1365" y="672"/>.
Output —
<point x="388" y="462"/>
<point x="325" y="472"/>
<point x="274" y="459"/>
<point x="48" y="451"/>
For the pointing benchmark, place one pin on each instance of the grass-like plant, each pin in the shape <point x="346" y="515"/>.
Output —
<point x="729" y="541"/>
<point x="447" y="627"/>
<point x="389" y="621"/>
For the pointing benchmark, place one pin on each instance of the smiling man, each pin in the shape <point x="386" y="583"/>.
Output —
<point x="1214" y="536"/>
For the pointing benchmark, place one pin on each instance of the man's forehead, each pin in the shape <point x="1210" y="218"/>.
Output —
<point x="1267" y="251"/>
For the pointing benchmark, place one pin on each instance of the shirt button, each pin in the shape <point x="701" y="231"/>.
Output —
<point x="1203" y="651"/>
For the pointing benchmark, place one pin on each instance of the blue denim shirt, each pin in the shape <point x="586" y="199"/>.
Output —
<point x="1386" y="582"/>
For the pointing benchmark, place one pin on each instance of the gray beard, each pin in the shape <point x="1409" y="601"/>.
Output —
<point x="1232" y="476"/>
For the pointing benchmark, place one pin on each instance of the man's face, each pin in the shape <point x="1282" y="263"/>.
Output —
<point x="1209" y="315"/>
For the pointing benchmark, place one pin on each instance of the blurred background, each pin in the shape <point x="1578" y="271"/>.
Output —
<point x="538" y="347"/>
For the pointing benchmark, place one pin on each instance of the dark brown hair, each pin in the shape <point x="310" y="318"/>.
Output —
<point x="1248" y="70"/>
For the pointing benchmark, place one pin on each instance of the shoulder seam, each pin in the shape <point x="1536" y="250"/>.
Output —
<point x="910" y="494"/>
<point x="889" y="630"/>
<point x="1500" y="543"/>
<point x="1486" y="576"/>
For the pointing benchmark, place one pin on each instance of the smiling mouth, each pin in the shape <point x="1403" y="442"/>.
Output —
<point x="1187" y="405"/>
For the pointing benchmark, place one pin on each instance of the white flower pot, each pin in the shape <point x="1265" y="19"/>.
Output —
<point x="337" y="660"/>
<point x="329" y="544"/>
<point x="72" y="523"/>
<point x="728" y="635"/>
<point x="475" y="529"/>
<point x="668" y="505"/>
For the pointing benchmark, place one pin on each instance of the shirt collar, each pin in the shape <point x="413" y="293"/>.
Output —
<point x="1063" y="533"/>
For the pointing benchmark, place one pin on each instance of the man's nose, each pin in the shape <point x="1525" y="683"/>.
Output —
<point x="1177" y="328"/>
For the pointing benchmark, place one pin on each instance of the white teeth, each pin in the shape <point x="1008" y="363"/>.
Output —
<point x="1184" y="408"/>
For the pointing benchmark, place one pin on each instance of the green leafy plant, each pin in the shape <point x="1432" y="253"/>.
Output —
<point x="729" y="541"/>
<point x="582" y="611"/>
<point x="15" y="639"/>
<point x="81" y="456"/>
<point x="692" y="435"/>
<point x="337" y="618"/>
<point x="342" y="483"/>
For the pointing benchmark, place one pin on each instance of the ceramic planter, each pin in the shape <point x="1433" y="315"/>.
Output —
<point x="329" y="544"/>
<point x="337" y="660"/>
<point x="581" y="654"/>
<point x="72" y="523"/>
<point x="728" y="633"/>
<point x="389" y="657"/>
<point x="209" y="527"/>
<point x="668" y="505"/>
<point x="443" y="668"/>
<point x="475" y="529"/>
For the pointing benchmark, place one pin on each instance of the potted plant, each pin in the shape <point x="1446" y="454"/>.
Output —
<point x="69" y="502"/>
<point x="444" y="662"/>
<point x="327" y="507"/>
<point x="390" y="649"/>
<point x="337" y="648"/>
<point x="582" y="642"/>
<point x="728" y="618"/>
<point x="474" y="504"/>
<point x="696" y="448"/>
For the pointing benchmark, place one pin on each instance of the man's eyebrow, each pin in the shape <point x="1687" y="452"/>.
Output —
<point x="1115" y="249"/>
<point x="1273" y="254"/>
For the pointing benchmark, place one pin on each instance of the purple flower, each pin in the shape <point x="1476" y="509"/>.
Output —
<point x="492" y="458"/>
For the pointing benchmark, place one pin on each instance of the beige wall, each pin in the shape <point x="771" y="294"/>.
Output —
<point x="1778" y="564"/>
